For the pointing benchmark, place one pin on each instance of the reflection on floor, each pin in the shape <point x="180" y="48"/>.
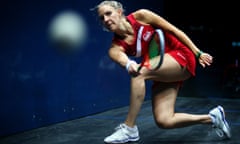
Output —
<point x="92" y="129"/>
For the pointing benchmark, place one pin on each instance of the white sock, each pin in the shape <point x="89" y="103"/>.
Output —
<point x="132" y="129"/>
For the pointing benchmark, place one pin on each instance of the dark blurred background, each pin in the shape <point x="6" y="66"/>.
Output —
<point x="215" y="29"/>
<point x="40" y="86"/>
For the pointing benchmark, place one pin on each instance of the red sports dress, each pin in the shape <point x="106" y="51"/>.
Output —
<point x="142" y="34"/>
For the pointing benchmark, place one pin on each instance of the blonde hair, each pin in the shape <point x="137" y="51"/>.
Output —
<point x="115" y="4"/>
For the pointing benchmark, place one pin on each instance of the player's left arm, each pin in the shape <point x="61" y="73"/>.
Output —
<point x="149" y="17"/>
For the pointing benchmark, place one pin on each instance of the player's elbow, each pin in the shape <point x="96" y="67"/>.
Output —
<point x="113" y="54"/>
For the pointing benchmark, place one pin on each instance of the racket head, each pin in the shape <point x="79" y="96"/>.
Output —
<point x="156" y="48"/>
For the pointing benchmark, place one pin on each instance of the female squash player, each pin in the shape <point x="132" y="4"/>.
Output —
<point x="179" y="64"/>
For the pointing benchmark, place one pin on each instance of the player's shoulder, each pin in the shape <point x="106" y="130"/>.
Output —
<point x="141" y="13"/>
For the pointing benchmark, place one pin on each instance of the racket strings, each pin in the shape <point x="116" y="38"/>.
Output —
<point x="153" y="52"/>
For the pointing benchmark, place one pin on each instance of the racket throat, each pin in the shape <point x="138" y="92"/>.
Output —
<point x="145" y="63"/>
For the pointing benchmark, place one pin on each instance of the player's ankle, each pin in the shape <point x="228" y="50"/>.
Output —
<point x="129" y="125"/>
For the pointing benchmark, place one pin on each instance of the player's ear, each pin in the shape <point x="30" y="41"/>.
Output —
<point x="120" y="11"/>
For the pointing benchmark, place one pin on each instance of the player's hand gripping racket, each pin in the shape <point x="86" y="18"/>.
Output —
<point x="154" y="57"/>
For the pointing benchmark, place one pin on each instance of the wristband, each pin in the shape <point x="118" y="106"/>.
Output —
<point x="129" y="63"/>
<point x="199" y="54"/>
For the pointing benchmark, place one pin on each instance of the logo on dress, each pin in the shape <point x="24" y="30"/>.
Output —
<point x="179" y="54"/>
<point x="146" y="36"/>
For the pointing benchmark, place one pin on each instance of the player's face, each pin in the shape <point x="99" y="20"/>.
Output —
<point x="110" y="17"/>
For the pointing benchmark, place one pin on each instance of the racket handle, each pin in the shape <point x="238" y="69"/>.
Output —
<point x="144" y="64"/>
<point x="139" y="68"/>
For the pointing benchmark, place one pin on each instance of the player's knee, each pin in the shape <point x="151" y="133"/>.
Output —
<point x="163" y="123"/>
<point x="138" y="84"/>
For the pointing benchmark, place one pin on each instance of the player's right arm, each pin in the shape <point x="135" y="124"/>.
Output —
<point x="118" y="55"/>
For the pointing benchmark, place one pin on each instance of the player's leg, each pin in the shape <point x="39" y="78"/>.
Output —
<point x="128" y="131"/>
<point x="163" y="105"/>
<point x="137" y="93"/>
<point x="170" y="71"/>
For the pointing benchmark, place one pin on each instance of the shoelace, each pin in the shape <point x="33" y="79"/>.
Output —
<point x="119" y="127"/>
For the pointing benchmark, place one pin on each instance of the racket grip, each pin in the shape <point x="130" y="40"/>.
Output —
<point x="129" y="63"/>
<point x="139" y="68"/>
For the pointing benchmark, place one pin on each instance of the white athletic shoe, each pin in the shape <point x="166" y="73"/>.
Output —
<point x="123" y="134"/>
<point x="219" y="122"/>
